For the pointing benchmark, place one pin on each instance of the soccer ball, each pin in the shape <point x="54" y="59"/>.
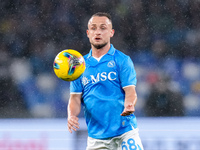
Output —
<point x="69" y="65"/>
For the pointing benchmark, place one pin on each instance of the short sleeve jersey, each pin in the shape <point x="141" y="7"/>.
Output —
<point x="101" y="86"/>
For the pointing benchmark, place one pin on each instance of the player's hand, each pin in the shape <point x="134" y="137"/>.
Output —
<point x="129" y="109"/>
<point x="72" y="123"/>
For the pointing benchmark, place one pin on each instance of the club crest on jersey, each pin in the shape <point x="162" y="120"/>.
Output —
<point x="111" y="63"/>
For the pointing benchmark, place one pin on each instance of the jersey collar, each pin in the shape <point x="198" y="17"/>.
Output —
<point x="110" y="52"/>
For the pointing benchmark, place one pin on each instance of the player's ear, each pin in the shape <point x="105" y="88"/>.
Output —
<point x="112" y="33"/>
<point x="87" y="32"/>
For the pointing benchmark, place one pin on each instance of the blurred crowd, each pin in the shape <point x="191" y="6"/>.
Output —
<point x="161" y="36"/>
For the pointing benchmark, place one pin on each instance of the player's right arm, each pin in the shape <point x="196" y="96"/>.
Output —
<point x="74" y="108"/>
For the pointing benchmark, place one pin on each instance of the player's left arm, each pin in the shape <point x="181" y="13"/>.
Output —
<point x="130" y="100"/>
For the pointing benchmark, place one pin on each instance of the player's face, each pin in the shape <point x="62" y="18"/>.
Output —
<point x="99" y="31"/>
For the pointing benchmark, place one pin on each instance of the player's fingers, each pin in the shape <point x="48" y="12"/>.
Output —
<point x="71" y="127"/>
<point x="74" y="123"/>
<point x="126" y="113"/>
<point x="123" y="114"/>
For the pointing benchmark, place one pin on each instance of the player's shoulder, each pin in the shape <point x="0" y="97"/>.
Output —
<point x="86" y="56"/>
<point x="119" y="55"/>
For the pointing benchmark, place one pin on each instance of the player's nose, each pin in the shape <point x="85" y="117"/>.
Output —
<point x="98" y="31"/>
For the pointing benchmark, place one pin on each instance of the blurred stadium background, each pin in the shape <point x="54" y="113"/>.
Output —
<point x="161" y="36"/>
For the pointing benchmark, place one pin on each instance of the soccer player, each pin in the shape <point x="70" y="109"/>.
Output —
<point x="107" y="91"/>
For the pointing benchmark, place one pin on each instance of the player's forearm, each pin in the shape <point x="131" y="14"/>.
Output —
<point x="74" y="106"/>
<point x="131" y="99"/>
<point x="73" y="110"/>
<point x="130" y="96"/>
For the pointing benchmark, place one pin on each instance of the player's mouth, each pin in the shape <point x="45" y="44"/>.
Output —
<point x="97" y="39"/>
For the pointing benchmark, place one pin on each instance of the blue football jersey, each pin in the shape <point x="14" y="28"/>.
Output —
<point x="103" y="96"/>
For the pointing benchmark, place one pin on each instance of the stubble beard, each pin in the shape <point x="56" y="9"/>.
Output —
<point x="99" y="46"/>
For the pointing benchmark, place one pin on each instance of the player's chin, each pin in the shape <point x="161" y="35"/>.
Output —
<point x="99" y="45"/>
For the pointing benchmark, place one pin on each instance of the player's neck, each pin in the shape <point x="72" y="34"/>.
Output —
<point x="100" y="52"/>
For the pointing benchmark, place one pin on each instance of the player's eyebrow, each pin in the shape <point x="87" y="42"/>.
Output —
<point x="93" y="24"/>
<point x="103" y="24"/>
<point x="100" y="24"/>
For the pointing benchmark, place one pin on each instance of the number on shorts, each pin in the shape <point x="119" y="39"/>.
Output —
<point x="130" y="145"/>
